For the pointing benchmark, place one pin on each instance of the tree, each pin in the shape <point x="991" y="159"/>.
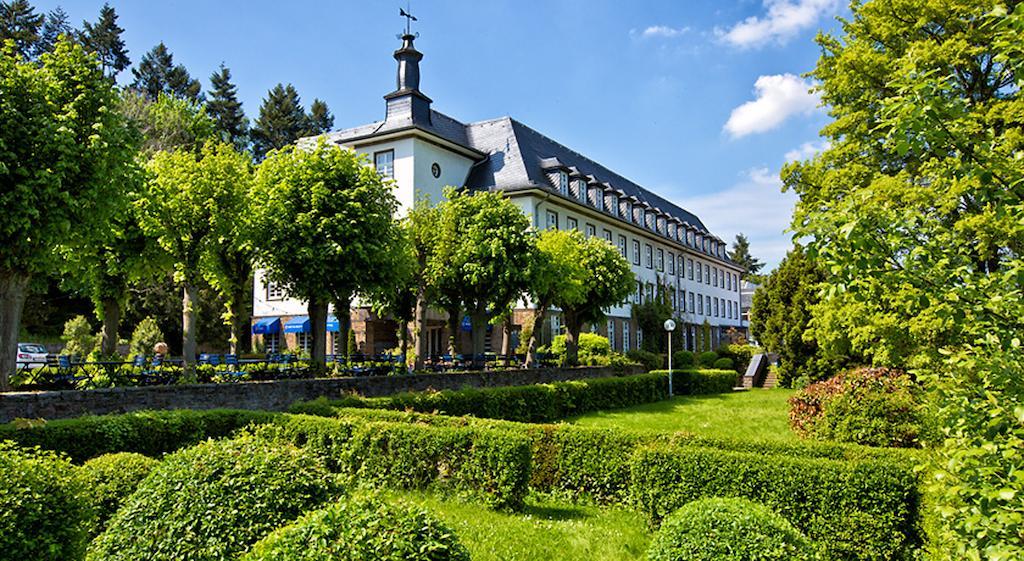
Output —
<point x="56" y="24"/>
<point x="62" y="140"/>
<point x="556" y="275"/>
<point x="396" y="295"/>
<point x="104" y="39"/>
<point x="915" y="211"/>
<point x="157" y="73"/>
<point x="167" y="123"/>
<point x="322" y="223"/>
<point x="740" y="255"/>
<point x="281" y="122"/>
<point x="320" y="118"/>
<point x="20" y="23"/>
<point x="650" y="316"/>
<point x="484" y="246"/>
<point x="226" y="111"/>
<point x="189" y="198"/>
<point x="419" y="225"/>
<point x="608" y="282"/>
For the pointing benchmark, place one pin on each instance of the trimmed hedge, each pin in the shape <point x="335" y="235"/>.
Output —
<point x="700" y="381"/>
<point x="212" y="501"/>
<point x="866" y="510"/>
<point x="45" y="511"/>
<point x="111" y="478"/>
<point x="728" y="530"/>
<point x="363" y="529"/>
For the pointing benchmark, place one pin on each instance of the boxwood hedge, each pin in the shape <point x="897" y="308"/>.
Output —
<point x="111" y="478"/>
<point x="865" y="510"/>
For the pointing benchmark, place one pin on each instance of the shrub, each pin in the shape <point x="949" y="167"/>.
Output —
<point x="682" y="359"/>
<point x="870" y="406"/>
<point x="146" y="335"/>
<point x="213" y="501"/>
<point x="740" y="354"/>
<point x="592" y="349"/>
<point x="649" y="360"/>
<point x="728" y="530"/>
<point x="863" y="510"/>
<point x="45" y="512"/>
<point x="724" y="363"/>
<point x="78" y="337"/>
<point x="363" y="529"/>
<point x="700" y="382"/>
<point x="111" y="478"/>
<point x="707" y="359"/>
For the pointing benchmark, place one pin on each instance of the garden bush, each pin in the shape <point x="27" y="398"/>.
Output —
<point x="725" y="363"/>
<point x="649" y="360"/>
<point x="740" y="354"/>
<point x="592" y="349"/>
<point x="683" y="359"/>
<point x="111" y="478"/>
<point x="212" y="501"/>
<point x="700" y="382"/>
<point x="146" y="335"/>
<point x="79" y="339"/>
<point x="869" y="406"/>
<point x="45" y="511"/>
<point x="728" y="529"/>
<point x="864" y="510"/>
<point x="362" y="529"/>
<point x="707" y="359"/>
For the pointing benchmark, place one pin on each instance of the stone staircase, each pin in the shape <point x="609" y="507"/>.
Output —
<point x="758" y="374"/>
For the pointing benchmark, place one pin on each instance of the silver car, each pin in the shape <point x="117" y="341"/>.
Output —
<point x="31" y="356"/>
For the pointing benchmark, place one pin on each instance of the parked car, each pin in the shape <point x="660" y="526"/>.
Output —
<point x="31" y="356"/>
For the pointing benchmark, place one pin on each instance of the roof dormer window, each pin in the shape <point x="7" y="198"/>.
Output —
<point x="563" y="182"/>
<point x="581" y="190"/>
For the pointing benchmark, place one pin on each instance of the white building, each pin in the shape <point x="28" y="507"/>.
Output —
<point x="423" y="151"/>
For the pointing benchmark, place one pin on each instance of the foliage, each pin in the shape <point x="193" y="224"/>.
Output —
<point x="740" y="255"/>
<point x="226" y="111"/>
<point x="213" y="501"/>
<point x="870" y="406"/>
<point x="724" y="363"/>
<point x="146" y="335"/>
<point x="720" y="529"/>
<point x="649" y="360"/>
<point x="683" y="359"/>
<point x="707" y="358"/>
<point x="362" y="529"/>
<point x="20" y="24"/>
<point x="650" y="316"/>
<point x="555" y="276"/>
<point x="593" y="348"/>
<point x="45" y="512"/>
<point x="850" y="510"/>
<point x="56" y="24"/>
<point x="167" y="123"/>
<point x="111" y="478"/>
<point x="741" y="354"/>
<point x="157" y="74"/>
<point x="281" y="122"/>
<point x="319" y="120"/>
<point x="700" y="381"/>
<point x="78" y="337"/>
<point x="104" y="39"/>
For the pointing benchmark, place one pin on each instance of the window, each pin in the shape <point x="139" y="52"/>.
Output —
<point x="735" y="283"/>
<point x="661" y="259"/>
<point x="596" y="198"/>
<point x="707" y="304"/>
<point x="591" y="230"/>
<point x="625" y="336"/>
<point x="716" y="306"/>
<point x="638" y="298"/>
<point x="671" y="264"/>
<point x="672" y="297"/>
<point x="690" y="304"/>
<point x="715" y="276"/>
<point x="648" y="256"/>
<point x="707" y="274"/>
<point x="639" y="337"/>
<point x="728" y="281"/>
<point x="305" y="341"/>
<point x="272" y="342"/>
<point x="649" y="292"/>
<point x="700" y="273"/>
<point x="385" y="163"/>
<point x="581" y="189"/>
<point x="636" y="252"/>
<point x="672" y="230"/>
<point x="552" y="220"/>
<point x="571" y="223"/>
<point x="556" y="326"/>
<point x="563" y="183"/>
<point x="607" y="234"/>
<point x="622" y="245"/>
<point x="689" y="238"/>
<point x="611" y="333"/>
<point x="689" y="267"/>
<point x="700" y="304"/>
<point x="682" y="300"/>
<point x="274" y="291"/>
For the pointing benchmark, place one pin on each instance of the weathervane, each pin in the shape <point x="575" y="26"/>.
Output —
<point x="409" y="18"/>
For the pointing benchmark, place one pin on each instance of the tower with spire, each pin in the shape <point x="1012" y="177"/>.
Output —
<point x="407" y="105"/>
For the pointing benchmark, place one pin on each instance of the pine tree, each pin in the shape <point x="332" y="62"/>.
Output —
<point x="157" y="73"/>
<point x="56" y="24"/>
<point x="225" y="109"/>
<point x="104" y="39"/>
<point x="740" y="255"/>
<point x="282" y="120"/>
<point x="20" y="22"/>
<point x="320" y="118"/>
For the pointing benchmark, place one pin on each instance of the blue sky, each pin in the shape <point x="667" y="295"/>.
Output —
<point x="699" y="100"/>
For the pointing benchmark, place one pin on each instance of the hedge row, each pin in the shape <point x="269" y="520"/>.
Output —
<point x="540" y="403"/>
<point x="864" y="510"/>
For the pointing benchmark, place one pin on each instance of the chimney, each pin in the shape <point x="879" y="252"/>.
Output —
<point x="407" y="104"/>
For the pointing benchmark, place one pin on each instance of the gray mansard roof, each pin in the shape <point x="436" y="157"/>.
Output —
<point x="515" y="157"/>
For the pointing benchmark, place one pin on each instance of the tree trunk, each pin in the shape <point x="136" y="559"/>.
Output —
<point x="453" y="329"/>
<point x="572" y="335"/>
<point x="111" y="322"/>
<point x="189" y="310"/>
<point x="404" y="337"/>
<point x="531" y="348"/>
<point x="420" y="330"/>
<point x="478" y="323"/>
<point x="343" y="311"/>
<point x="241" y="340"/>
<point x="13" y="289"/>
<point x="317" y="310"/>
<point x="506" y="339"/>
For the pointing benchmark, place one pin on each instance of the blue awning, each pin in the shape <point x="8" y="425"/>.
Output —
<point x="264" y="326"/>
<point x="333" y="326"/>
<point x="298" y="324"/>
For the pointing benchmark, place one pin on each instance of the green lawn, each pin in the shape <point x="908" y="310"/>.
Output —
<point x="755" y="414"/>
<point x="545" y="530"/>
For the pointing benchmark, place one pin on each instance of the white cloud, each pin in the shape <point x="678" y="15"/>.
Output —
<point x="754" y="206"/>
<point x="663" y="31"/>
<point x="779" y="96"/>
<point x="785" y="18"/>
<point x="807" y="150"/>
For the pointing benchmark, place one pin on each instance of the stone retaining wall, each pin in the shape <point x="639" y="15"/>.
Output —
<point x="274" y="395"/>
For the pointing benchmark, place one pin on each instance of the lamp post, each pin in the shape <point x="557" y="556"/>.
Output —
<point x="670" y="326"/>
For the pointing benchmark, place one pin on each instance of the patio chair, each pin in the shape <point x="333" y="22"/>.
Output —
<point x="230" y="366"/>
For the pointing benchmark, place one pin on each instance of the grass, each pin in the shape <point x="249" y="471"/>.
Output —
<point x="545" y="530"/>
<point x="755" y="414"/>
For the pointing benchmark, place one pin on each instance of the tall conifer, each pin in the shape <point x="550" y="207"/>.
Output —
<point x="20" y="22"/>
<point x="104" y="39"/>
<point x="320" y="118"/>
<point x="225" y="109"/>
<point x="56" y="24"/>
<point x="282" y="120"/>
<point x="157" y="73"/>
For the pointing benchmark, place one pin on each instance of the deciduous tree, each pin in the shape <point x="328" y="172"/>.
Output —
<point x="556" y="275"/>
<point x="20" y="23"/>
